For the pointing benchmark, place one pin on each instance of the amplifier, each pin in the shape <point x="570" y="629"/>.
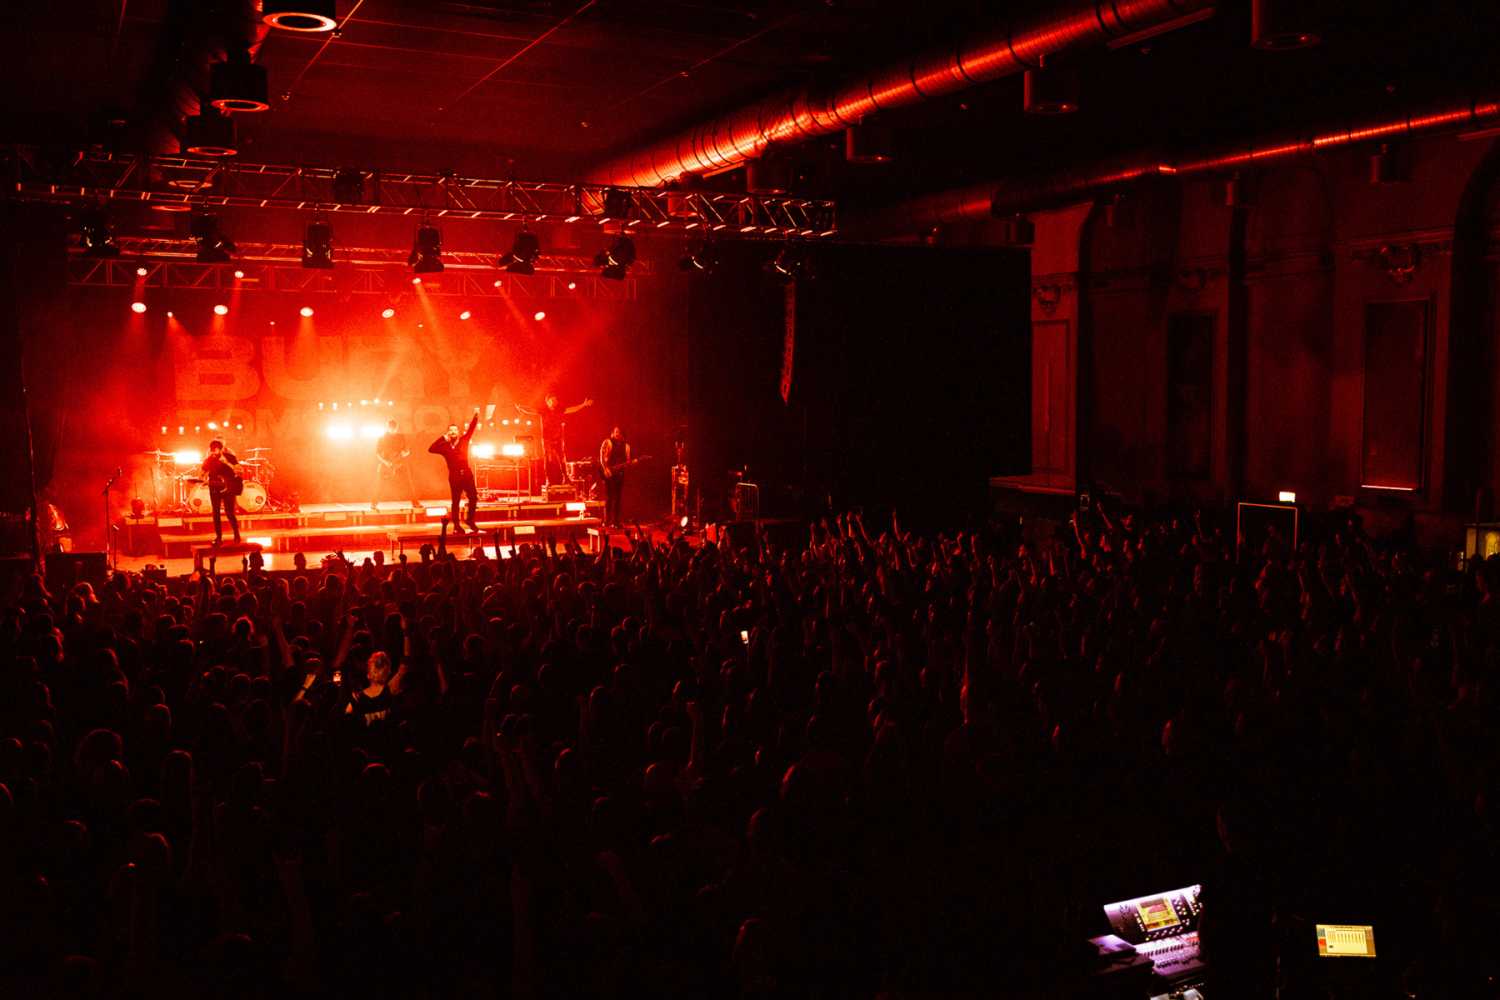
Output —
<point x="560" y="492"/>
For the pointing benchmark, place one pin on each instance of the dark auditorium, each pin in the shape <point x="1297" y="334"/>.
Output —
<point x="830" y="499"/>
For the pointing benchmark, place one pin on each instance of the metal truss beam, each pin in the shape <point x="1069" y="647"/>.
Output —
<point x="193" y="182"/>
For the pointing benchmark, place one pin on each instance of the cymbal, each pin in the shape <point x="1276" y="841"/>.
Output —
<point x="162" y="454"/>
<point x="249" y="451"/>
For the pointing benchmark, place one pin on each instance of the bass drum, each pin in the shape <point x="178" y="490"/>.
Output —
<point x="251" y="501"/>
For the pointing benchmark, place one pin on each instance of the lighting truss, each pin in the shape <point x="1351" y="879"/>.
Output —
<point x="278" y="267"/>
<point x="199" y="183"/>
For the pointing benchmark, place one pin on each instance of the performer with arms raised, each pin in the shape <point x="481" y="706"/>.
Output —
<point x="454" y="447"/>
<point x="551" y="415"/>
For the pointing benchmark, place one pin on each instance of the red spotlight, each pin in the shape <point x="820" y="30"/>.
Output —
<point x="170" y="314"/>
<point x="221" y="310"/>
<point x="497" y="282"/>
<point x="306" y="312"/>
<point x="141" y="271"/>
<point x="572" y="285"/>
<point x="388" y="313"/>
<point x="465" y="314"/>
<point x="416" y="281"/>
<point x="540" y="315"/>
<point x="239" y="274"/>
<point x="137" y="307"/>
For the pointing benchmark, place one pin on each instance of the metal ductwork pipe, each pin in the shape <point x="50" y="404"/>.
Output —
<point x="982" y="201"/>
<point x="729" y="140"/>
<point x="195" y="35"/>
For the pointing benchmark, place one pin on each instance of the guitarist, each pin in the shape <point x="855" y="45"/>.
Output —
<point x="391" y="453"/>
<point x="224" y="486"/>
<point x="614" y="456"/>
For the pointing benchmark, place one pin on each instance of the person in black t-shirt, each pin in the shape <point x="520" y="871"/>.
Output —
<point x="371" y="705"/>
<point x="550" y="415"/>
<point x="454" y="447"/>
<point x="392" y="454"/>
<point x="219" y="471"/>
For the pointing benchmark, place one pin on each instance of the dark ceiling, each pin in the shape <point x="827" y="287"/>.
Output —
<point x="546" y="89"/>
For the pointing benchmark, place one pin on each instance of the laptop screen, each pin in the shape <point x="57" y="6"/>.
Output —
<point x="1346" y="940"/>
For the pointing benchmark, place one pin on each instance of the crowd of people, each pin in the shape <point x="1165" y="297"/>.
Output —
<point x="870" y="762"/>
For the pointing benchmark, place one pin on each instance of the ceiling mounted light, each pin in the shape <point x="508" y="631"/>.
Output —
<point x="1282" y="25"/>
<point x="300" y="15"/>
<point x="789" y="264"/>
<point x="317" y="244"/>
<point x="209" y="134"/>
<point x="213" y="246"/>
<point x="867" y="144"/>
<point x="701" y="260"/>
<point x="238" y="85"/>
<point x="616" y="260"/>
<point x="96" y="233"/>
<point x="1385" y="166"/>
<point x="349" y="186"/>
<point x="1048" y="90"/>
<point x="426" y="250"/>
<point x="523" y="253"/>
<point x="616" y="205"/>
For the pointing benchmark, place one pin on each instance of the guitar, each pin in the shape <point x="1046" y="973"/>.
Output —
<point x="607" y="472"/>
<point x="389" y="467"/>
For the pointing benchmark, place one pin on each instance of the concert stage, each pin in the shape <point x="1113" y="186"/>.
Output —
<point x="319" y="529"/>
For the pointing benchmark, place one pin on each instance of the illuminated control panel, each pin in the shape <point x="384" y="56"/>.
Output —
<point x="1164" y="928"/>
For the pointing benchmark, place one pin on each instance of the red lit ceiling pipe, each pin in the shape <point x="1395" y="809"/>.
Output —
<point x="731" y="139"/>
<point x="983" y="200"/>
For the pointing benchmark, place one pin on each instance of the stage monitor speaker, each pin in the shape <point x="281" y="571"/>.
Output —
<point x="64" y="569"/>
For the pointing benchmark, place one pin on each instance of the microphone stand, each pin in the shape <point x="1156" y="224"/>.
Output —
<point x="109" y="537"/>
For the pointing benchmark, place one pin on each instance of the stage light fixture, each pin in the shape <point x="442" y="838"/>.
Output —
<point x="209" y="133"/>
<point x="137" y="307"/>
<point x="349" y="186"/>
<point x="221" y="310"/>
<point x="300" y="15"/>
<point x="1048" y="90"/>
<point x="239" y="275"/>
<point x="97" y="234"/>
<point x="388" y="313"/>
<point x="483" y="449"/>
<point x="317" y="244"/>
<point x="1281" y="25"/>
<point x="513" y="450"/>
<point x="238" y="85"/>
<point x="616" y="260"/>
<point x="572" y="286"/>
<point x="141" y="271"/>
<point x="865" y="143"/>
<point x="789" y="264"/>
<point x="306" y="312"/>
<point x="700" y="260"/>
<point x="426" y="250"/>
<point x="523" y="254"/>
<point x="171" y="314"/>
<point x="539" y="315"/>
<point x="465" y="314"/>
<point x="213" y="246"/>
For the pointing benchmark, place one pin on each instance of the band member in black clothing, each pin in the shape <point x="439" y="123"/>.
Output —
<point x="223" y="486"/>
<point x="614" y="454"/>
<point x="391" y="453"/>
<point x="551" y="414"/>
<point x="454" y="448"/>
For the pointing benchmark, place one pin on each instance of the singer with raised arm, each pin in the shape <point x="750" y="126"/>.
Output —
<point x="392" y="454"/>
<point x="454" y="448"/>
<point x="614" y="457"/>
<point x="554" y="450"/>
<point x="224" y="485"/>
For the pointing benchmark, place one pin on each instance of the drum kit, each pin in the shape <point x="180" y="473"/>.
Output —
<point x="190" y="489"/>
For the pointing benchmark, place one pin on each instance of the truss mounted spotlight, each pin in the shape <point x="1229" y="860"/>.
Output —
<point x="866" y="143"/>
<point x="1281" y="25"/>
<point x="213" y="246"/>
<point x="96" y="233"/>
<point x="349" y="186"/>
<point x="209" y="134"/>
<point x="789" y="264"/>
<point x="702" y="259"/>
<point x="317" y="244"/>
<point x="238" y="85"/>
<point x="616" y="205"/>
<point x="300" y="15"/>
<point x="617" y="258"/>
<point x="1050" y="90"/>
<point x="523" y="253"/>
<point x="426" y="250"/>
